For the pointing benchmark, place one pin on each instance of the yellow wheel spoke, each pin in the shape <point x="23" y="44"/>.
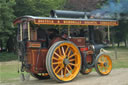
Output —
<point x="60" y="51"/>
<point x="62" y="73"/>
<point x="105" y="68"/>
<point x="76" y="65"/>
<point x="101" y="68"/>
<point x="63" y="51"/>
<point x="72" y="55"/>
<point x="69" y="67"/>
<point x="56" y="67"/>
<point x="68" y="70"/>
<point x="55" y="58"/>
<point x="71" y="60"/>
<point x="69" y="52"/>
<point x="59" y="70"/>
<point x="99" y="61"/>
<point x="57" y="54"/>
<point x="104" y="59"/>
<point x="107" y="61"/>
<point x="57" y="63"/>
<point x="66" y="50"/>
<point x="65" y="72"/>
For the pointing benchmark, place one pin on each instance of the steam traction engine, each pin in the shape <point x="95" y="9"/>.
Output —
<point x="48" y="47"/>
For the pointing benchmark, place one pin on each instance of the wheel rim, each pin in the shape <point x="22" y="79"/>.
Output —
<point x="104" y="64"/>
<point x="66" y="61"/>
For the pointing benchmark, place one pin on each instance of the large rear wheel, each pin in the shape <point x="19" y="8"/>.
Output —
<point x="63" y="61"/>
<point x="103" y="64"/>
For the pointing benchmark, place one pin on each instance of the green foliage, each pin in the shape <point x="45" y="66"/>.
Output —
<point x="102" y="3"/>
<point x="7" y="56"/>
<point x="6" y="19"/>
<point x="36" y="7"/>
<point x="121" y="31"/>
<point x="6" y="16"/>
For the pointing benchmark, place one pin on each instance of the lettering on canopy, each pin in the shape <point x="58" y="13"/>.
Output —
<point x="75" y="22"/>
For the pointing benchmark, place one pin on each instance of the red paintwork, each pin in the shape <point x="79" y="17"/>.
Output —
<point x="79" y="41"/>
<point x="89" y="58"/>
<point x="84" y="49"/>
<point x="55" y="40"/>
<point x="36" y="60"/>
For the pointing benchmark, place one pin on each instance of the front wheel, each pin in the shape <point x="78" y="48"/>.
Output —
<point x="63" y="61"/>
<point x="103" y="64"/>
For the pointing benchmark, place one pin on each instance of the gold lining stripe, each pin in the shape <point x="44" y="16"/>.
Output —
<point x="75" y="22"/>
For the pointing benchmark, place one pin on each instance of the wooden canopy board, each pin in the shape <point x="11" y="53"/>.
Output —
<point x="66" y="21"/>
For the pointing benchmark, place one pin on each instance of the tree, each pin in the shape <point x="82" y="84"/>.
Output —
<point x="36" y="7"/>
<point x="83" y="5"/>
<point x="123" y="30"/>
<point x="6" y="19"/>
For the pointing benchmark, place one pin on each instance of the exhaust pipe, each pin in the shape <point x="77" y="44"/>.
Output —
<point x="68" y="14"/>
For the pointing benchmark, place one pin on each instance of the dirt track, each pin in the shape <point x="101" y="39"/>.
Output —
<point x="116" y="77"/>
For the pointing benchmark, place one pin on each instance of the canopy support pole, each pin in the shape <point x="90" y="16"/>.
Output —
<point x="68" y="30"/>
<point x="108" y="33"/>
<point x="21" y="33"/>
<point x="59" y="29"/>
<point x="29" y="38"/>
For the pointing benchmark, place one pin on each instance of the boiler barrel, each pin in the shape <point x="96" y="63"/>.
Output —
<point x="68" y="14"/>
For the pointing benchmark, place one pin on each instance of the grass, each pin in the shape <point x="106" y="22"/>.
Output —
<point x="8" y="67"/>
<point x="8" y="70"/>
<point x="120" y="63"/>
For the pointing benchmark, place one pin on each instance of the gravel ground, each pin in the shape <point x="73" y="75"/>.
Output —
<point x="116" y="77"/>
